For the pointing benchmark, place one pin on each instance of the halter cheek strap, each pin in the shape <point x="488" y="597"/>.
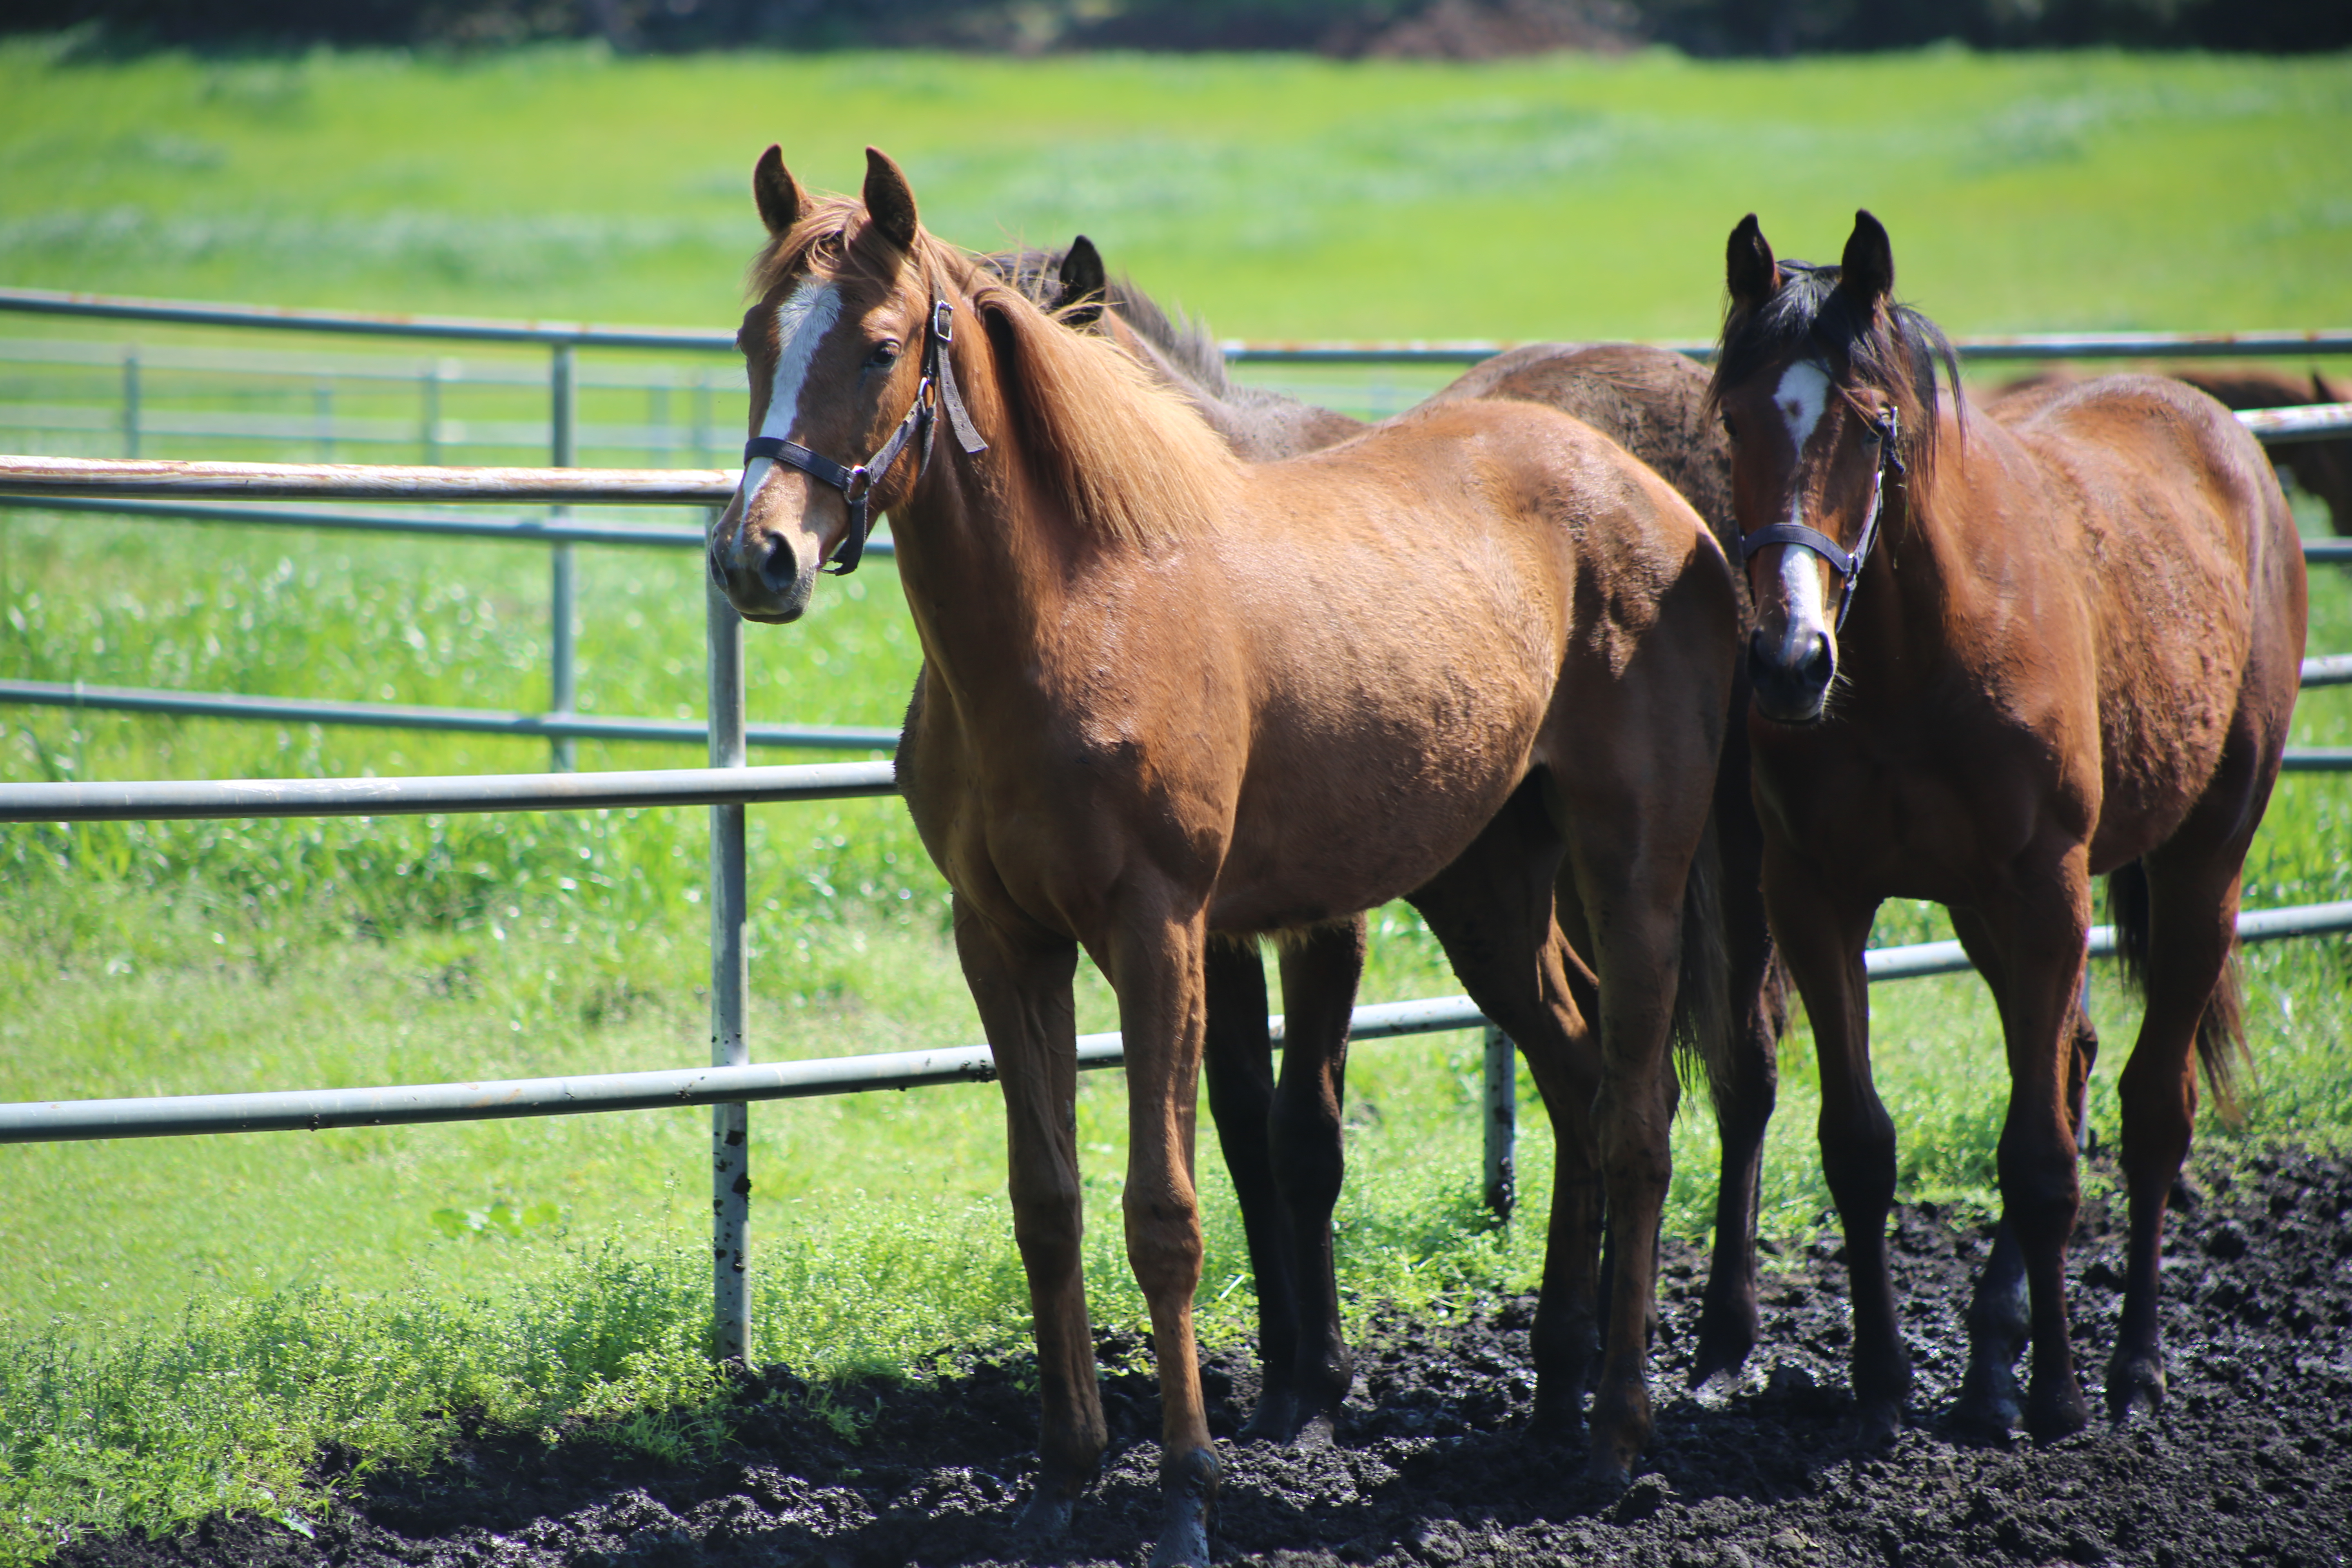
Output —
<point x="856" y="484"/>
<point x="1846" y="564"/>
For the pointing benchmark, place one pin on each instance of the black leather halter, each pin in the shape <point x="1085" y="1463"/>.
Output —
<point x="856" y="484"/>
<point x="1846" y="564"/>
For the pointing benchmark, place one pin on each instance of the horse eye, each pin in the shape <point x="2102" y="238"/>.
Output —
<point x="1731" y="429"/>
<point x="884" y="353"/>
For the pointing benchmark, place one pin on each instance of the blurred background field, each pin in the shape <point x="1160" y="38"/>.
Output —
<point x="150" y="1291"/>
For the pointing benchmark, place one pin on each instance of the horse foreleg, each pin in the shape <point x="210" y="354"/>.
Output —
<point x="1239" y="1062"/>
<point x="1155" y="962"/>
<point x="1759" y="995"/>
<point x="1821" y="937"/>
<point x="1021" y="988"/>
<point x="1319" y="972"/>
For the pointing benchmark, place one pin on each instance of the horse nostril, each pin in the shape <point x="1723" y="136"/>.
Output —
<point x="778" y="569"/>
<point x="1821" y="664"/>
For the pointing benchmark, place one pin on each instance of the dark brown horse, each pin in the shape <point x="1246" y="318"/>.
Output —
<point x="2323" y="468"/>
<point x="1511" y="678"/>
<point x="2073" y="652"/>
<point x="1281" y="1139"/>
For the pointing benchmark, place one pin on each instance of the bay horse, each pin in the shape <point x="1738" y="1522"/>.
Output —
<point x="1999" y="653"/>
<point x="1470" y="655"/>
<point x="1653" y="403"/>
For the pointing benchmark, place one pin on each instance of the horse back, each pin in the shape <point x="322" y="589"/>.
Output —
<point x="2190" y="573"/>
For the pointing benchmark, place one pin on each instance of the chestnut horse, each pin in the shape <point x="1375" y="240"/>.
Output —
<point x="1170" y="695"/>
<point x="2073" y="652"/>
<point x="1652" y="402"/>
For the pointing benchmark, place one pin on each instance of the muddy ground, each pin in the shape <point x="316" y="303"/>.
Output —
<point x="2249" y="1462"/>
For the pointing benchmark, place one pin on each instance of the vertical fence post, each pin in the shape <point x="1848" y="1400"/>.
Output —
<point x="130" y="401"/>
<point x="563" y="675"/>
<point x="429" y="421"/>
<point x="730" y="1152"/>
<point x="1502" y="1121"/>
<point x="322" y="417"/>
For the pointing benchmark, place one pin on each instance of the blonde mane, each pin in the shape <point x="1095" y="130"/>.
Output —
<point x="1132" y="459"/>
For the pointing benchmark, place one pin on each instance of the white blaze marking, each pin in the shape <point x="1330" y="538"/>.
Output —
<point x="1802" y="397"/>
<point x="802" y="322"/>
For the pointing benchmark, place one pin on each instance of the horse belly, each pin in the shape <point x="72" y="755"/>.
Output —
<point x="1329" y="824"/>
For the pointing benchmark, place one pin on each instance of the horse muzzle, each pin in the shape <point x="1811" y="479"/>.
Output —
<point x="1791" y="675"/>
<point x="767" y="573"/>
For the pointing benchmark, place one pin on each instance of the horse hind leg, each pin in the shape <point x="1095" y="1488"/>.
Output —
<point x="1493" y="912"/>
<point x="1320" y="969"/>
<point x="1237" y="1058"/>
<point x="2191" y="913"/>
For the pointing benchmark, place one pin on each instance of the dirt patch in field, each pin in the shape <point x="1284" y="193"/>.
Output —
<point x="2251" y="1460"/>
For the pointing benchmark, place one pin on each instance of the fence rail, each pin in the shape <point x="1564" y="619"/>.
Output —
<point x="312" y="1111"/>
<point x="1245" y="351"/>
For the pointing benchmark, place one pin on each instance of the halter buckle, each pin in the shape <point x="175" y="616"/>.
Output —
<point x="942" y="321"/>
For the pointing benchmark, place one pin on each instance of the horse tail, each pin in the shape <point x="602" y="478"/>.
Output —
<point x="1702" y="1018"/>
<point x="2222" y="1029"/>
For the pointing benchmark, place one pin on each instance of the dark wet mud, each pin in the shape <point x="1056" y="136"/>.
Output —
<point x="2249" y="1462"/>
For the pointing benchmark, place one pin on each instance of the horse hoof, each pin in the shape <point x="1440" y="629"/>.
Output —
<point x="1045" y="1517"/>
<point x="1313" y="1433"/>
<point x="1609" y="1471"/>
<point x="1988" y="1403"/>
<point x="1190" y="1487"/>
<point x="2135" y="1388"/>
<point x="1275" y="1419"/>
<point x="2056" y="1413"/>
<point x="1876" y="1423"/>
<point x="1723" y="1348"/>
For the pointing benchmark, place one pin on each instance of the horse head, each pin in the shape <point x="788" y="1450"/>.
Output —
<point x="850" y="349"/>
<point x="1827" y="391"/>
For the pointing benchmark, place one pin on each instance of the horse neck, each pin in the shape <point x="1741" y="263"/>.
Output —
<point x="1896" y="630"/>
<point x="985" y="558"/>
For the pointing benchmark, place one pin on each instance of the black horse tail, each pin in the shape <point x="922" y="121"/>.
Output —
<point x="1702" y="1018"/>
<point x="2221" y="1031"/>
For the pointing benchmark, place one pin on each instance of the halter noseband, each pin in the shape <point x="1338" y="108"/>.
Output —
<point x="856" y="484"/>
<point x="1888" y="427"/>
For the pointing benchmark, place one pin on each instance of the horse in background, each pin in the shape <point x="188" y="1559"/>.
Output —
<point x="2322" y="469"/>
<point x="1131" y="740"/>
<point x="1999" y="653"/>
<point x="1652" y="402"/>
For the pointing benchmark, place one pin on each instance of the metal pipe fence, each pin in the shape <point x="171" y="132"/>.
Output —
<point x="731" y="1082"/>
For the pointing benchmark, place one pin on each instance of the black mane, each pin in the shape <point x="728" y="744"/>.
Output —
<point x="1809" y="317"/>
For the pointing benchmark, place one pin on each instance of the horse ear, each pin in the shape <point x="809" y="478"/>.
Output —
<point x="778" y="194"/>
<point x="1866" y="271"/>
<point x="1084" y="285"/>
<point x="2320" y="391"/>
<point x="889" y="200"/>
<point x="1749" y="268"/>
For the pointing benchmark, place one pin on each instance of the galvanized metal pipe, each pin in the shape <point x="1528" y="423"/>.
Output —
<point x="209" y="799"/>
<point x="2004" y="346"/>
<point x="400" y="716"/>
<point x="562" y="672"/>
<point x="518" y="529"/>
<point x="730" y="1120"/>
<point x="1501" y="1106"/>
<point x="164" y="1116"/>
<point x="521" y="530"/>
<point x="34" y="476"/>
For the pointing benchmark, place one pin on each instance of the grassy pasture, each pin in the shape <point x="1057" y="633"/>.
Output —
<point x="180" y="1320"/>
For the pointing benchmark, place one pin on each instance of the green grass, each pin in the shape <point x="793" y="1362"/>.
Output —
<point x="183" y="1321"/>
